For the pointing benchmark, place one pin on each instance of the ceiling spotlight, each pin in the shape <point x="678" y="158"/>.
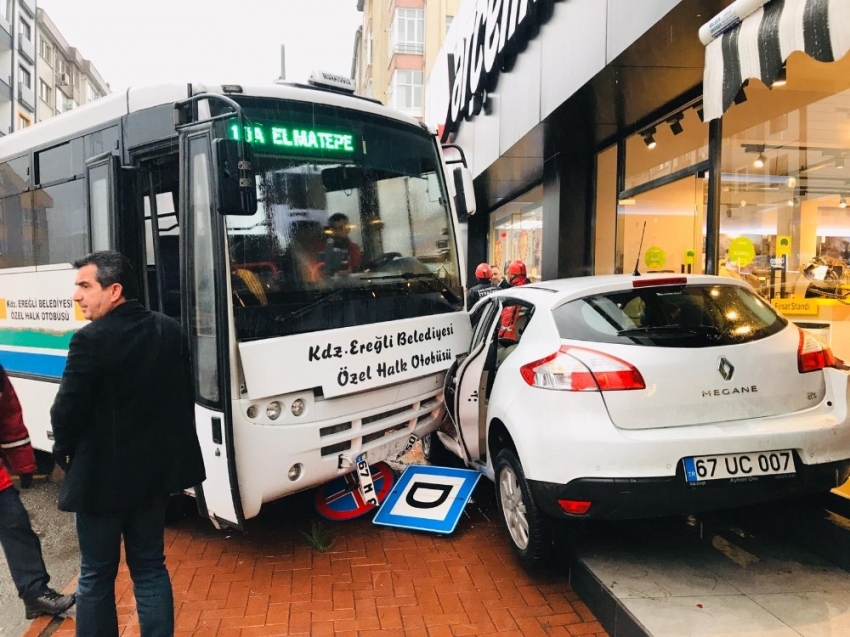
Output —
<point x="676" y="123"/>
<point x="839" y="162"/>
<point x="759" y="162"/>
<point x="649" y="139"/>
<point x="792" y="182"/>
<point x="842" y="203"/>
<point x="781" y="79"/>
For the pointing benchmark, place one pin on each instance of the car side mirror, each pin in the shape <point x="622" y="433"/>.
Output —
<point x="234" y="192"/>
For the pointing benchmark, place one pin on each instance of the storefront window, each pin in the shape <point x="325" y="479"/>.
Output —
<point x="678" y="143"/>
<point x="516" y="232"/>
<point x="661" y="213"/>
<point x="662" y="230"/>
<point x="605" y="228"/>
<point x="784" y="221"/>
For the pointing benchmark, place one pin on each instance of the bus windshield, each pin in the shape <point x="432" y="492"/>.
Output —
<point x="352" y="227"/>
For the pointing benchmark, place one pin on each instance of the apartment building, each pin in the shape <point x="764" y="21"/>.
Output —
<point x="65" y="78"/>
<point x="17" y="64"/>
<point x="396" y="48"/>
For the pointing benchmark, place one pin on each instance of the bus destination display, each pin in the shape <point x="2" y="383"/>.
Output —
<point x="296" y="140"/>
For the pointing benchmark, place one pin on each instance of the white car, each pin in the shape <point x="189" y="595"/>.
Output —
<point x="631" y="397"/>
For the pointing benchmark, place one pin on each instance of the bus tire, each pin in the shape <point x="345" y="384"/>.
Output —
<point x="435" y="451"/>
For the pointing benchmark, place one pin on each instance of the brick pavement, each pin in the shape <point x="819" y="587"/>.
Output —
<point x="373" y="581"/>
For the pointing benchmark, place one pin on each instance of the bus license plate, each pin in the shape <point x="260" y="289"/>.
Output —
<point x="364" y="480"/>
<point x="739" y="465"/>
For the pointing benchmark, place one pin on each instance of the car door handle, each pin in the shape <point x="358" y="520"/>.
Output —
<point x="216" y="430"/>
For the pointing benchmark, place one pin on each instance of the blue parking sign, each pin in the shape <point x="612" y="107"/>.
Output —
<point x="428" y="498"/>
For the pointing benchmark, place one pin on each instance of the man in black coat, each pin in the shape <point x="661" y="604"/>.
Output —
<point x="123" y="427"/>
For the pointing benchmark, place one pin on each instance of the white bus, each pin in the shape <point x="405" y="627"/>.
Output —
<point x="304" y="237"/>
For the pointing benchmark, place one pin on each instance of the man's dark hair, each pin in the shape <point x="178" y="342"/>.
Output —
<point x="338" y="216"/>
<point x="112" y="267"/>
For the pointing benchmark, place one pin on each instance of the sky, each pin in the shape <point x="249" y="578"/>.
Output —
<point x="168" y="41"/>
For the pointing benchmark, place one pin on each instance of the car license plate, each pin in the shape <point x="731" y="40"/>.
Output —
<point x="364" y="480"/>
<point x="739" y="465"/>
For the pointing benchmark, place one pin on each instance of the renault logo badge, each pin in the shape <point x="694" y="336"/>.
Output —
<point x="726" y="370"/>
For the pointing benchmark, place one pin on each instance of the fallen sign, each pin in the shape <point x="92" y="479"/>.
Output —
<point x="428" y="498"/>
<point x="342" y="498"/>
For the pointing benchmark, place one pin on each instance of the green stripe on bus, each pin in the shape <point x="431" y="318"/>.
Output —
<point x="35" y="338"/>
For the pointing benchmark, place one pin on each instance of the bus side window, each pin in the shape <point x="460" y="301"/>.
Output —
<point x="167" y="270"/>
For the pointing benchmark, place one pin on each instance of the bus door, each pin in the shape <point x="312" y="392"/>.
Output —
<point x="157" y="186"/>
<point x="204" y="286"/>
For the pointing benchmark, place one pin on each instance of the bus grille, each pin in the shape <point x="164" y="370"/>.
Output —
<point x="334" y="429"/>
<point x="393" y="422"/>
<point x="368" y="420"/>
<point x="332" y="449"/>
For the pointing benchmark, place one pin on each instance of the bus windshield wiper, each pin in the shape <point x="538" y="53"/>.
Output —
<point x="706" y="330"/>
<point x="429" y="277"/>
<point x="311" y="306"/>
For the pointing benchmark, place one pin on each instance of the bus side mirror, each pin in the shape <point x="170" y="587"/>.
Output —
<point x="234" y="192"/>
<point x="465" y="197"/>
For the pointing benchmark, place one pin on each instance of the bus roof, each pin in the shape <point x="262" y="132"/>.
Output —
<point x="116" y="105"/>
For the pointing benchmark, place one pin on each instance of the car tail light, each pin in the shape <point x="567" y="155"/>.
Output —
<point x="579" y="369"/>
<point x="575" y="507"/>
<point x="812" y="354"/>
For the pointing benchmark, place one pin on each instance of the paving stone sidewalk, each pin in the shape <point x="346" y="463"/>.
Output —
<point x="372" y="581"/>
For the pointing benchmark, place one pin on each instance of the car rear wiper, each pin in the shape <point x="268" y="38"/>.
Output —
<point x="706" y="330"/>
<point x="424" y="276"/>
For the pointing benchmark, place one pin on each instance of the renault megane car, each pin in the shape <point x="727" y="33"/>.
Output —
<point x="627" y="397"/>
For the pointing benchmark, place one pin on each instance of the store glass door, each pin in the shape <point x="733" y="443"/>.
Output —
<point x="516" y="232"/>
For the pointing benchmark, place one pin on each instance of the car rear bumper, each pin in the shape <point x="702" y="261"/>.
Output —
<point x="630" y="498"/>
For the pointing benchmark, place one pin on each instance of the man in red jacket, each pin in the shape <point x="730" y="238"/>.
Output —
<point x="20" y="544"/>
<point x="516" y="276"/>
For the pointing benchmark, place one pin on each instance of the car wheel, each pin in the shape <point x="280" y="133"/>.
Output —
<point x="530" y="530"/>
<point x="435" y="451"/>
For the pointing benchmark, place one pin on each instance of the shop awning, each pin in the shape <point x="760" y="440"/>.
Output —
<point x="753" y="38"/>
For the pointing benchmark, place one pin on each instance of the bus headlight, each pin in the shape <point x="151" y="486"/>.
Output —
<point x="253" y="410"/>
<point x="297" y="407"/>
<point x="273" y="410"/>
<point x="294" y="472"/>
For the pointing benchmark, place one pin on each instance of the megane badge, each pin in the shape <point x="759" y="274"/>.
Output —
<point x="726" y="370"/>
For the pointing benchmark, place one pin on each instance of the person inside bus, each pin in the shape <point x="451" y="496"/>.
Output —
<point x="20" y="543"/>
<point x="124" y="434"/>
<point x="339" y="229"/>
<point x="303" y="263"/>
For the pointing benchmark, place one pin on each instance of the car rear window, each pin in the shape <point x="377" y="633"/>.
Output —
<point x="670" y="316"/>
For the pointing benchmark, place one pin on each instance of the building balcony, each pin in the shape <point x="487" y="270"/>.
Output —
<point x="26" y="96"/>
<point x="5" y="35"/>
<point x="29" y="5"/>
<point x="27" y="49"/>
<point x="5" y="89"/>
<point x="408" y="48"/>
